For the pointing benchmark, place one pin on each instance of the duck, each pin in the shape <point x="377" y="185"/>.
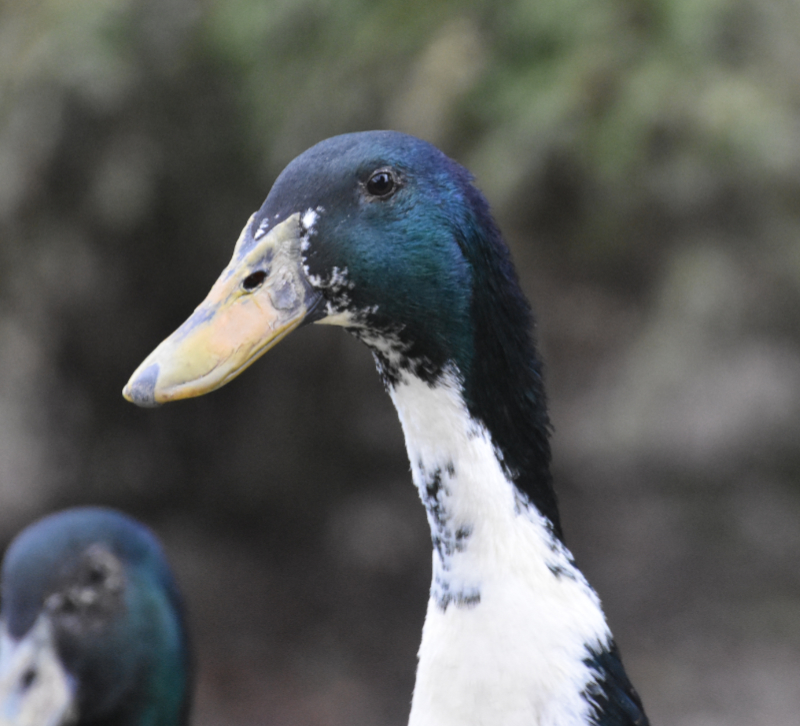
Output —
<point x="384" y="235"/>
<point x="92" y="626"/>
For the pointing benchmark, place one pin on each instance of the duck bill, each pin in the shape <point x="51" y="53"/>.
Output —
<point x="261" y="296"/>
<point x="35" y="689"/>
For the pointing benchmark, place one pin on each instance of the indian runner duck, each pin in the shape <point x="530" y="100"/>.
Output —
<point x="91" y="626"/>
<point x="382" y="234"/>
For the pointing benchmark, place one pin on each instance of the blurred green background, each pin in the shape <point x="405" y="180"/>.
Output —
<point x="643" y="160"/>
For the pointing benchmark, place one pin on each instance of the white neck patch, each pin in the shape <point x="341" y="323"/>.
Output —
<point x="47" y="699"/>
<point x="510" y="616"/>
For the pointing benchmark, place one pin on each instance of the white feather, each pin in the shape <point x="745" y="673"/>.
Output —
<point x="515" y="658"/>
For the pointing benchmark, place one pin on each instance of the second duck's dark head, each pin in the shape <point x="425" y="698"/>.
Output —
<point x="92" y="626"/>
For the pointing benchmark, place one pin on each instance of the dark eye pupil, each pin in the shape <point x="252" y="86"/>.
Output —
<point x="380" y="184"/>
<point x="251" y="282"/>
<point x="96" y="576"/>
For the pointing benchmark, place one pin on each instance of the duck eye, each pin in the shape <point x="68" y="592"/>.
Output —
<point x="254" y="280"/>
<point x="97" y="575"/>
<point x="381" y="184"/>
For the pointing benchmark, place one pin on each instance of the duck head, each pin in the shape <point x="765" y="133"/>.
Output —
<point x="91" y="626"/>
<point x="384" y="235"/>
<point x="370" y="231"/>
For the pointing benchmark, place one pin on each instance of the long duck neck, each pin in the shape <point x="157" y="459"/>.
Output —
<point x="509" y="613"/>
<point x="464" y="483"/>
<point x="513" y="628"/>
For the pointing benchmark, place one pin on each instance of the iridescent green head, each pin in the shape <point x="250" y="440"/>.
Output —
<point x="370" y="231"/>
<point x="384" y="235"/>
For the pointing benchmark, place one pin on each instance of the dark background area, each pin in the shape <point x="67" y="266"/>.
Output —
<point x="643" y="160"/>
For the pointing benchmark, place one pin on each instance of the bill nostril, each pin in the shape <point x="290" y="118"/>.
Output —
<point x="254" y="281"/>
